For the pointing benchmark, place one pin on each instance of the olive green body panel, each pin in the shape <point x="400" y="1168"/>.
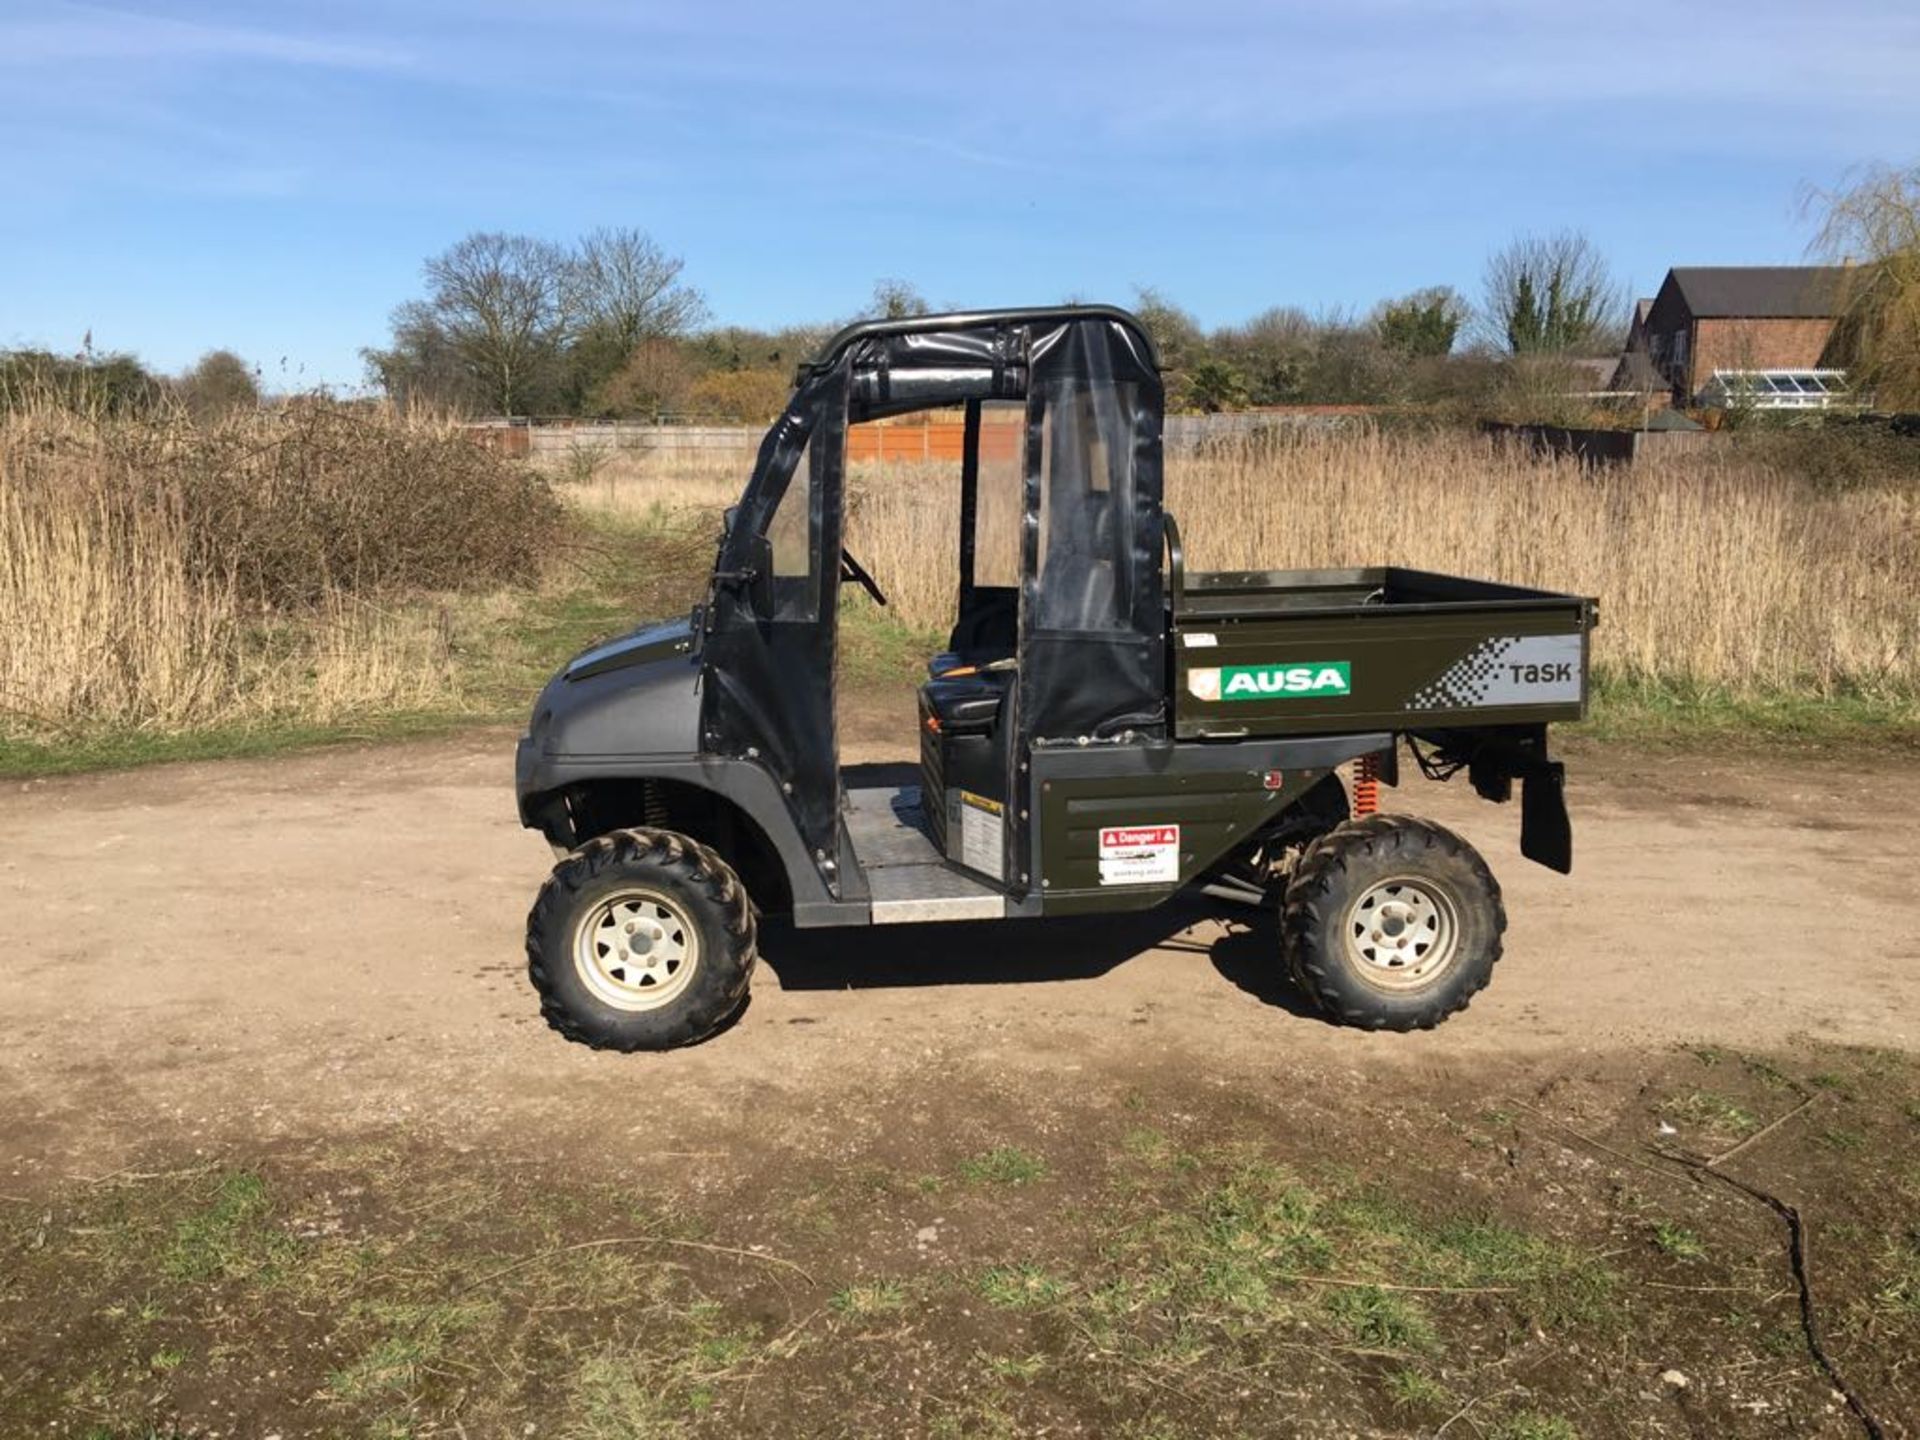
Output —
<point x="1313" y="652"/>
<point x="1211" y="797"/>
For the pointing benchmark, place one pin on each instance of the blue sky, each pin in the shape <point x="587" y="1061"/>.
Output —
<point x="269" y="176"/>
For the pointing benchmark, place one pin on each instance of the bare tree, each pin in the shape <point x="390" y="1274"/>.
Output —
<point x="625" y="287"/>
<point x="896" y="300"/>
<point x="1552" y="294"/>
<point x="499" y="301"/>
<point x="219" y="384"/>
<point x="654" y="378"/>
<point x="1873" y="227"/>
<point x="422" y="366"/>
<point x="1282" y="326"/>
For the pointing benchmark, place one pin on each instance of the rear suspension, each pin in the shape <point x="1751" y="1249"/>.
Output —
<point x="1366" y="786"/>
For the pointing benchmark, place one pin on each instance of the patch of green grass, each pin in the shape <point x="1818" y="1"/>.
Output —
<point x="977" y="1417"/>
<point x="1418" y="1391"/>
<point x="1016" y="1367"/>
<point x="1147" y="1144"/>
<point x="1899" y="1290"/>
<point x="1378" y="1319"/>
<point x="1021" y="1287"/>
<point x="1550" y="1284"/>
<point x="410" y="1337"/>
<point x="1710" y="1110"/>
<point x="417" y="1271"/>
<point x="1262" y="1210"/>
<point x="877" y="649"/>
<point x="1766" y="1072"/>
<point x="228" y="1237"/>
<point x="669" y="1373"/>
<point x="1678" y="1241"/>
<point x="1840" y="1138"/>
<point x="1682" y="715"/>
<point x="1003" y="1165"/>
<point x="32" y="759"/>
<point x="1535" y="1425"/>
<point x="870" y="1299"/>
<point x="639" y="1394"/>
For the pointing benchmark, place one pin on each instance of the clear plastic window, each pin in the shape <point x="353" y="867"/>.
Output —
<point x="996" y="530"/>
<point x="791" y="535"/>
<point x="1086" y="507"/>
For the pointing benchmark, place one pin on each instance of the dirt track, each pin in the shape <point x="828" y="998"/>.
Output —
<point x="263" y="1021"/>
<point x="333" y="941"/>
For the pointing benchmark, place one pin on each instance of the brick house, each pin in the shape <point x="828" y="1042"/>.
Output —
<point x="1709" y="318"/>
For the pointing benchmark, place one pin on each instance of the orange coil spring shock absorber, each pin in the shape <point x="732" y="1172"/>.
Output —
<point x="1366" y="786"/>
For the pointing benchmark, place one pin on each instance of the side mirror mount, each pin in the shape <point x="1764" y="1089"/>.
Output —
<point x="760" y="586"/>
<point x="755" y="578"/>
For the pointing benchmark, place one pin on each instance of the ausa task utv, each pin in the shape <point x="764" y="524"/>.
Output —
<point x="1107" y="733"/>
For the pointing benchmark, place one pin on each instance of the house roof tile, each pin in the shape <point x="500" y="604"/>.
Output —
<point x="1809" y="292"/>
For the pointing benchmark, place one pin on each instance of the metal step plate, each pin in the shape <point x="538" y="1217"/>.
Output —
<point x="908" y="878"/>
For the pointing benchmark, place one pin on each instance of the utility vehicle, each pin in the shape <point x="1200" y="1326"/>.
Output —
<point x="1104" y="731"/>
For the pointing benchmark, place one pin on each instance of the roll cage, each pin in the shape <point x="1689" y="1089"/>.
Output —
<point x="1086" y="620"/>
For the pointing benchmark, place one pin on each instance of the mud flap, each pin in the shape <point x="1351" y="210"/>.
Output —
<point x="1494" y="761"/>
<point x="1546" y="835"/>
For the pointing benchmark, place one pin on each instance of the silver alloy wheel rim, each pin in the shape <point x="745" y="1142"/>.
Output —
<point x="636" y="950"/>
<point x="1402" y="933"/>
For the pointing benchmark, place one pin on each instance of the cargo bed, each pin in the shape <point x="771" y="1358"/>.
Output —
<point x="1284" y="652"/>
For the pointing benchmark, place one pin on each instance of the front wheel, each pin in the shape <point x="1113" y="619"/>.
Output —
<point x="1392" y="923"/>
<point x="640" y="940"/>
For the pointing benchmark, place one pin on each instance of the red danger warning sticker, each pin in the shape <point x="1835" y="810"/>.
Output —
<point x="1140" y="855"/>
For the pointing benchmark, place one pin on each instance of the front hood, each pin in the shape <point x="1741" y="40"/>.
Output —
<point x="638" y="695"/>
<point x="649" y="642"/>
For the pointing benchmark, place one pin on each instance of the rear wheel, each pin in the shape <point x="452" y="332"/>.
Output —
<point x="1392" y="923"/>
<point x="640" y="940"/>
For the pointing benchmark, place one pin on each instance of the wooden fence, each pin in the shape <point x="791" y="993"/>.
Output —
<point x="935" y="436"/>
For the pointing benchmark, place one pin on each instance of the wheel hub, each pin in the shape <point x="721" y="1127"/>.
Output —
<point x="636" y="950"/>
<point x="1403" y="932"/>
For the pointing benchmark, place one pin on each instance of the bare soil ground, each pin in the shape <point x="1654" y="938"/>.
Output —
<point x="285" y="1148"/>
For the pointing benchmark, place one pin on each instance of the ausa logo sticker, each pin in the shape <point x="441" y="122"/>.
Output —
<point x="1271" y="682"/>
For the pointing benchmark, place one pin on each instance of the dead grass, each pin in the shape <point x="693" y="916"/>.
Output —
<point x="298" y="570"/>
<point x="165" y="575"/>
<point x="1719" y="571"/>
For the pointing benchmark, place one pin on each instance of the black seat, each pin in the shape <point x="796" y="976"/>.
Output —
<point x="966" y="704"/>
<point x="987" y="631"/>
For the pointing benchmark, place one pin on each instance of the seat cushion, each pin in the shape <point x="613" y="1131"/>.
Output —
<point x="966" y="702"/>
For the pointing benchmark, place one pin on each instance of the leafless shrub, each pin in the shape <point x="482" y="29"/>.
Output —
<point x="159" y="572"/>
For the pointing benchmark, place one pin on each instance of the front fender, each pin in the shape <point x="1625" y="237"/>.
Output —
<point x="544" y="780"/>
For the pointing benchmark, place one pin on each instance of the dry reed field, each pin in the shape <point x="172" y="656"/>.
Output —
<point x="297" y="567"/>
<point x="1716" y="571"/>
<point x="155" y="573"/>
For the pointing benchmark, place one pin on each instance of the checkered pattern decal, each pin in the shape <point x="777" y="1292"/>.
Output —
<point x="1507" y="670"/>
<point x="1464" y="682"/>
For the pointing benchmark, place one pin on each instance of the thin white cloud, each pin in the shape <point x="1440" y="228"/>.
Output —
<point x="73" y="34"/>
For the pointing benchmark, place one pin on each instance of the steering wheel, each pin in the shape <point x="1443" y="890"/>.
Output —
<point x="852" y="569"/>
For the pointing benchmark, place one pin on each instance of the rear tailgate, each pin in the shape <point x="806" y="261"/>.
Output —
<point x="1312" y="652"/>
